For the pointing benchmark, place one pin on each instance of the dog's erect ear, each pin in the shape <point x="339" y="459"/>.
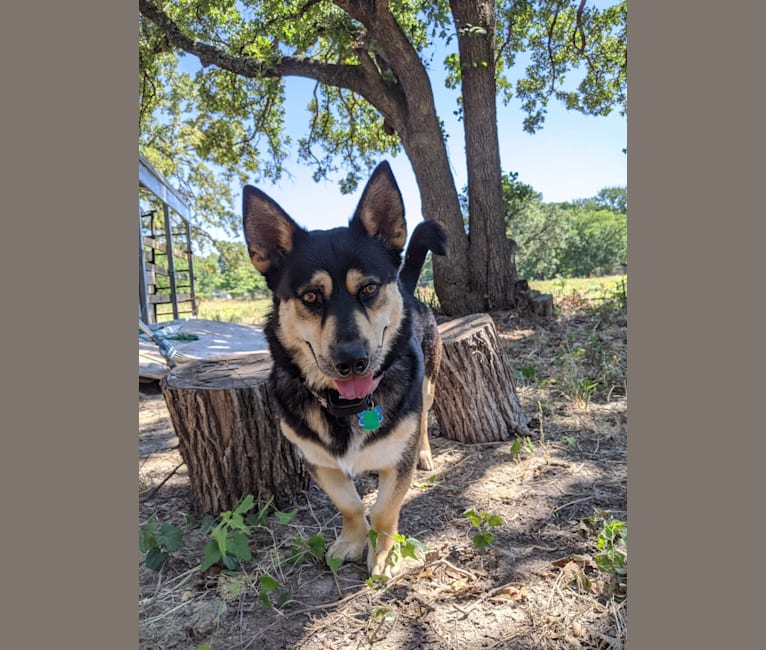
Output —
<point x="381" y="210"/>
<point x="269" y="232"/>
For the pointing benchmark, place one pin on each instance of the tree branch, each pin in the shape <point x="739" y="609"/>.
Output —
<point x="342" y="76"/>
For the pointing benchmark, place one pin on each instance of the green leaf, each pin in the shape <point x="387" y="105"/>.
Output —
<point x="494" y="520"/>
<point x="268" y="584"/>
<point x="239" y="547"/>
<point x="284" y="598"/>
<point x="146" y="539"/>
<point x="211" y="555"/>
<point x="219" y="535"/>
<point x="245" y="505"/>
<point x="316" y="545"/>
<point x="265" y="601"/>
<point x="156" y="559"/>
<point x="373" y="536"/>
<point x="482" y="540"/>
<point x="230" y="562"/>
<point x="285" y="518"/>
<point x="170" y="537"/>
<point x="473" y="517"/>
<point x="417" y="543"/>
<point x="258" y="518"/>
<point x="334" y="563"/>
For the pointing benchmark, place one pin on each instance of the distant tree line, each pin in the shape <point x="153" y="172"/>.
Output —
<point x="581" y="238"/>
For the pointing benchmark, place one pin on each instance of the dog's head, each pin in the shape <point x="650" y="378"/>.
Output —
<point x="337" y="300"/>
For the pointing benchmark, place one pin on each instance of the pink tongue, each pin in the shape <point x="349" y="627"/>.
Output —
<point x="354" y="387"/>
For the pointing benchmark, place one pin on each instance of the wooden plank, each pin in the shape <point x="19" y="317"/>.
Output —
<point x="156" y="268"/>
<point x="151" y="243"/>
<point x="165" y="298"/>
<point x="153" y="181"/>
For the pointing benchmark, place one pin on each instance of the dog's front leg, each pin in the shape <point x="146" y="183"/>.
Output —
<point x="384" y="517"/>
<point x="340" y="488"/>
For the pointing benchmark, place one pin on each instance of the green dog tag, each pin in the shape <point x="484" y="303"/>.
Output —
<point x="371" y="418"/>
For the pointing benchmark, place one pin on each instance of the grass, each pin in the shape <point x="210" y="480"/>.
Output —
<point x="593" y="290"/>
<point x="254" y="311"/>
<point x="249" y="311"/>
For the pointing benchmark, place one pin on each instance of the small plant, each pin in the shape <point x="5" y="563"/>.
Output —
<point x="483" y="522"/>
<point x="522" y="444"/>
<point x="613" y="542"/>
<point x="268" y="586"/>
<point x="402" y="547"/>
<point x="428" y="483"/>
<point x="380" y="616"/>
<point x="230" y="545"/>
<point x="159" y="543"/>
<point x="307" y="548"/>
<point x="526" y="374"/>
<point x="571" y="441"/>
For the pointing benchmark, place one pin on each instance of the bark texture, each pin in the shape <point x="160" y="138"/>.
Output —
<point x="228" y="432"/>
<point x="476" y="397"/>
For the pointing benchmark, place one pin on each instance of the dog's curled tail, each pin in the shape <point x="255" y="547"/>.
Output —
<point x="428" y="235"/>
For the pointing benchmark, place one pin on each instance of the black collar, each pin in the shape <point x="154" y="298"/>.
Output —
<point x="339" y="407"/>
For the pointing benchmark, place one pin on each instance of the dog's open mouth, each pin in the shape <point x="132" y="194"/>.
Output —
<point x="357" y="387"/>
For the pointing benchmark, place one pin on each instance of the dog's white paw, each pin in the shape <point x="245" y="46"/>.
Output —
<point x="425" y="461"/>
<point x="347" y="548"/>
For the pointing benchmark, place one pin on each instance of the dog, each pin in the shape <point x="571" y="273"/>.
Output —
<point x="355" y="354"/>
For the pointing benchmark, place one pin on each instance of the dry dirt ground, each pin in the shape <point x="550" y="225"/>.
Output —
<point x="534" y="586"/>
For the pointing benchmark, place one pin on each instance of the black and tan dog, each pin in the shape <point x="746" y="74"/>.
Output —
<point x="355" y="353"/>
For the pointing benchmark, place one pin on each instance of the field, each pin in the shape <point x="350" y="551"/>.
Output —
<point x="524" y="543"/>
<point x="253" y="311"/>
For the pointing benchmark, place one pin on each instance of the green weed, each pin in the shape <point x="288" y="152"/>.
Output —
<point x="524" y="444"/>
<point x="230" y="544"/>
<point x="159" y="542"/>
<point x="483" y="523"/>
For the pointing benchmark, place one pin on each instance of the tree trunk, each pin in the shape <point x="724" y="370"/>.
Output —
<point x="227" y="427"/>
<point x="476" y="397"/>
<point x="492" y="254"/>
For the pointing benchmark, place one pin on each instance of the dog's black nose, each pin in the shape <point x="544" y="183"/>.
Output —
<point x="350" y="358"/>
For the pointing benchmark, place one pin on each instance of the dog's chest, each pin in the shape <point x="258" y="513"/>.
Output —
<point x="365" y="451"/>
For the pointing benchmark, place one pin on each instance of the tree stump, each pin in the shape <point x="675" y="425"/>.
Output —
<point x="226" y="421"/>
<point x="476" y="397"/>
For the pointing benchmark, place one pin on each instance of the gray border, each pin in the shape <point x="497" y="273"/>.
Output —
<point x="693" y="342"/>
<point x="69" y="453"/>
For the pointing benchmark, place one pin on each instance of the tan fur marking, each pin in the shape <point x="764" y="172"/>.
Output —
<point x="321" y="280"/>
<point x="299" y="328"/>
<point x="425" y="460"/>
<point x="382" y="321"/>
<point x="384" y="520"/>
<point x="353" y="537"/>
<point x="355" y="280"/>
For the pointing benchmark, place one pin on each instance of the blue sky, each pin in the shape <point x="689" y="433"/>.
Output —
<point x="573" y="156"/>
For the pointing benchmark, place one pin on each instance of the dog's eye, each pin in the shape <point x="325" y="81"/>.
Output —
<point x="310" y="298"/>
<point x="369" y="290"/>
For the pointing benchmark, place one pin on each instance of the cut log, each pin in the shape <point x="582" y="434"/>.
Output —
<point x="476" y="397"/>
<point x="226" y="421"/>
